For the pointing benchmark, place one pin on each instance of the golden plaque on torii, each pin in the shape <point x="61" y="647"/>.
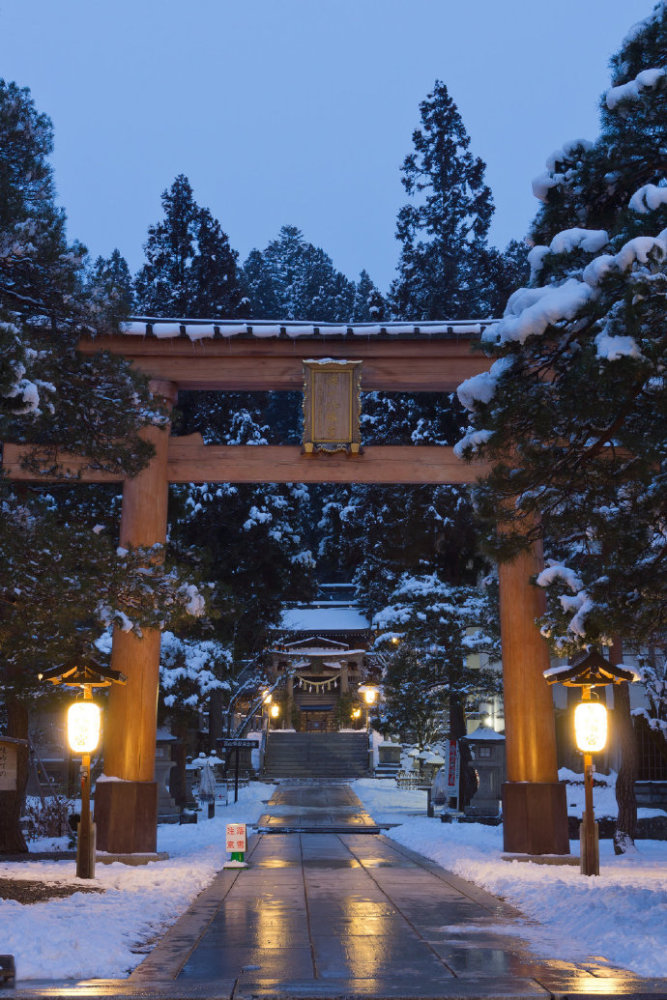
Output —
<point x="331" y="405"/>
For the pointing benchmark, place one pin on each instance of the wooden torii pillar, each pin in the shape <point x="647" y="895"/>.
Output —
<point x="535" y="814"/>
<point x="126" y="801"/>
<point x="534" y="802"/>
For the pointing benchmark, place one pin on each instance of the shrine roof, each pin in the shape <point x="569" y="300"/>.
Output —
<point x="321" y="620"/>
<point x="222" y="329"/>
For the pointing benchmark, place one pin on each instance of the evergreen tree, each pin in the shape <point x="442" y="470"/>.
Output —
<point x="293" y="279"/>
<point x="58" y="576"/>
<point x="251" y="550"/>
<point x="409" y="706"/>
<point x="589" y="439"/>
<point x="444" y="627"/>
<point x="245" y="539"/>
<point x="110" y="289"/>
<point x="190" y="268"/>
<point x="369" y="305"/>
<point x="443" y="230"/>
<point x="375" y="534"/>
<point x="573" y="411"/>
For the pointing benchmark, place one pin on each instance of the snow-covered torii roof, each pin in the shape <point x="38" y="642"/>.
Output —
<point x="200" y="329"/>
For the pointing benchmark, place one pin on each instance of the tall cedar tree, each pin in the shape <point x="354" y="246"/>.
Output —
<point x="190" y="268"/>
<point x="57" y="574"/>
<point x="573" y="410"/>
<point x="446" y="270"/>
<point x="443" y="230"/>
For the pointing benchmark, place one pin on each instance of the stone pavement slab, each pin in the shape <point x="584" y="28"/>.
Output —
<point x="322" y="807"/>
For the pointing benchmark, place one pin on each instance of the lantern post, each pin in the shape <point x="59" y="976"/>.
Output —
<point x="370" y="693"/>
<point x="84" y="723"/>
<point x="590" y="726"/>
<point x="83" y="735"/>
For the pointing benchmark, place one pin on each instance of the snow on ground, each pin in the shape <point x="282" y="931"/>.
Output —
<point x="100" y="935"/>
<point x="619" y="917"/>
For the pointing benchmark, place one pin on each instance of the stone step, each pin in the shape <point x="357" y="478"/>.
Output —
<point x="335" y="755"/>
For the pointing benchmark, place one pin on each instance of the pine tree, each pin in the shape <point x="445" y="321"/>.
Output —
<point x="190" y="268"/>
<point x="443" y="230"/>
<point x="250" y="549"/>
<point x="245" y="539"/>
<point x="573" y="410"/>
<point x="375" y="534"/>
<point x="589" y="439"/>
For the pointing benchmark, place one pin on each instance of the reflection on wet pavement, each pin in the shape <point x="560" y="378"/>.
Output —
<point x="323" y="914"/>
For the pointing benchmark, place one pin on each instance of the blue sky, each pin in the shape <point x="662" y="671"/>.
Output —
<point x="300" y="111"/>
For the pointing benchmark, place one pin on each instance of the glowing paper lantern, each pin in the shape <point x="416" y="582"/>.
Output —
<point x="83" y="726"/>
<point x="590" y="726"/>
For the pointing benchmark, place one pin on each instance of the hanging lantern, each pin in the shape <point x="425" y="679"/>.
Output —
<point x="590" y="726"/>
<point x="83" y="726"/>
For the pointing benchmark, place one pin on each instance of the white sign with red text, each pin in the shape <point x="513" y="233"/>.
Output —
<point x="236" y="839"/>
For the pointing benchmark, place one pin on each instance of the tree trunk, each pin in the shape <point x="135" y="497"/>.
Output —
<point x="12" y="840"/>
<point x="215" y="721"/>
<point x="626" y="825"/>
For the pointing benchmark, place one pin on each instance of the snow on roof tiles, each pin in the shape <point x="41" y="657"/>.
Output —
<point x="324" y="620"/>
<point x="196" y="329"/>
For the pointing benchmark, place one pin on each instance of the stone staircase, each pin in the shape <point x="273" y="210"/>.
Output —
<point x="316" y="755"/>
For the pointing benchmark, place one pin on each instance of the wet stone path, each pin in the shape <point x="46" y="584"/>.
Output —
<point x="333" y="914"/>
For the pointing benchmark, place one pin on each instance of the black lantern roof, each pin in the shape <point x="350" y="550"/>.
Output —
<point x="590" y="670"/>
<point x="83" y="671"/>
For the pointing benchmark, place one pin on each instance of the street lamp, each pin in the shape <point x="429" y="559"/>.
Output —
<point x="590" y="730"/>
<point x="274" y="710"/>
<point x="369" y="693"/>
<point x="83" y="736"/>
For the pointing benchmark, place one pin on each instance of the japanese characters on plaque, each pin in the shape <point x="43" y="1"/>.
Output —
<point x="331" y="405"/>
<point x="8" y="767"/>
<point x="236" y="837"/>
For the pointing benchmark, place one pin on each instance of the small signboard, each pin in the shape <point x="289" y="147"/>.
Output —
<point x="452" y="768"/>
<point x="8" y="767"/>
<point x="234" y="744"/>
<point x="236" y="838"/>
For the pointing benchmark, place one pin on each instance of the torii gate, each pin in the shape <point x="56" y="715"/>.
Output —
<point x="256" y="356"/>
